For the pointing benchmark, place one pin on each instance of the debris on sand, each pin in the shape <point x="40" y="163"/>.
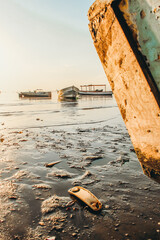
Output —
<point x="42" y="186"/>
<point x="60" y="173"/>
<point x="52" y="164"/>
<point x="57" y="216"/>
<point x="85" y="182"/>
<point x="8" y="190"/>
<point x="25" y="174"/>
<point x="55" y="220"/>
<point x="21" y="174"/>
<point x="51" y="238"/>
<point x="92" y="158"/>
<point x="70" y="203"/>
<point x="86" y="174"/>
<point x="53" y="203"/>
<point x="87" y="178"/>
<point x="120" y="160"/>
<point x="30" y="178"/>
<point x="87" y="197"/>
<point x="87" y="160"/>
<point x="9" y="209"/>
<point x="13" y="197"/>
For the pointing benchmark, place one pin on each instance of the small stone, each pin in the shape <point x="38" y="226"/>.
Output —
<point x="74" y="234"/>
<point x="116" y="225"/>
<point x="75" y="209"/>
<point x="42" y="186"/>
<point x="52" y="164"/>
<point x="86" y="226"/>
<point x="41" y="223"/>
<point x="51" y="238"/>
<point x="68" y="209"/>
<point x="70" y="203"/>
<point x="12" y="197"/>
<point x="13" y="209"/>
<point x="24" y="163"/>
<point x="106" y="206"/>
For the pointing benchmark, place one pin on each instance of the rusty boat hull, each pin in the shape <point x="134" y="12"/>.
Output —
<point x="132" y="68"/>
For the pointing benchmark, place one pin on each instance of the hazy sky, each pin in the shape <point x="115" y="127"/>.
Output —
<point x="46" y="44"/>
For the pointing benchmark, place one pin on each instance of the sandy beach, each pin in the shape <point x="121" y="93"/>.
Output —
<point x="90" y="146"/>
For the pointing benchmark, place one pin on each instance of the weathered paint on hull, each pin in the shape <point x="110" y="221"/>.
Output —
<point x="35" y="95"/>
<point x="131" y="81"/>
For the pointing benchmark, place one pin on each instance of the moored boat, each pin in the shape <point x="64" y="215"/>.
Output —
<point x="68" y="93"/>
<point x="93" y="90"/>
<point x="35" y="94"/>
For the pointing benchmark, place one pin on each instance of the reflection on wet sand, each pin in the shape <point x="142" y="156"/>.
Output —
<point x="70" y="103"/>
<point x="35" y="203"/>
<point x="95" y="98"/>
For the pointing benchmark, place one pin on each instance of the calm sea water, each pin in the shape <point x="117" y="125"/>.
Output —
<point x="17" y="113"/>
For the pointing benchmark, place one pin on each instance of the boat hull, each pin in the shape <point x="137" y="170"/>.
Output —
<point x="109" y="93"/>
<point x="35" y="95"/>
<point x="130" y="79"/>
<point x="68" y="93"/>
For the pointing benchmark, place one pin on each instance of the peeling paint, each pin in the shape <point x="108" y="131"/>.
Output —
<point x="143" y="18"/>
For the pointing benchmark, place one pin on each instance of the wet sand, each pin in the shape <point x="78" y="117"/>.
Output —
<point x="35" y="203"/>
<point x="89" y="143"/>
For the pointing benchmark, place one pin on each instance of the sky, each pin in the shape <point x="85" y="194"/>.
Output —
<point x="46" y="44"/>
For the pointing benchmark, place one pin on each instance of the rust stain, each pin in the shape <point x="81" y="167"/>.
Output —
<point x="123" y="112"/>
<point x="120" y="62"/>
<point x="149" y="165"/>
<point x="123" y="6"/>
<point x="142" y="14"/>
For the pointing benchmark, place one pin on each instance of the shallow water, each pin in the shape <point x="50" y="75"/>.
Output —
<point x="36" y="132"/>
<point x="22" y="113"/>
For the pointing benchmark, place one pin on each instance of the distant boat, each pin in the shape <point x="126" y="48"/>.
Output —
<point x="35" y="94"/>
<point x="93" y="90"/>
<point x="68" y="93"/>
